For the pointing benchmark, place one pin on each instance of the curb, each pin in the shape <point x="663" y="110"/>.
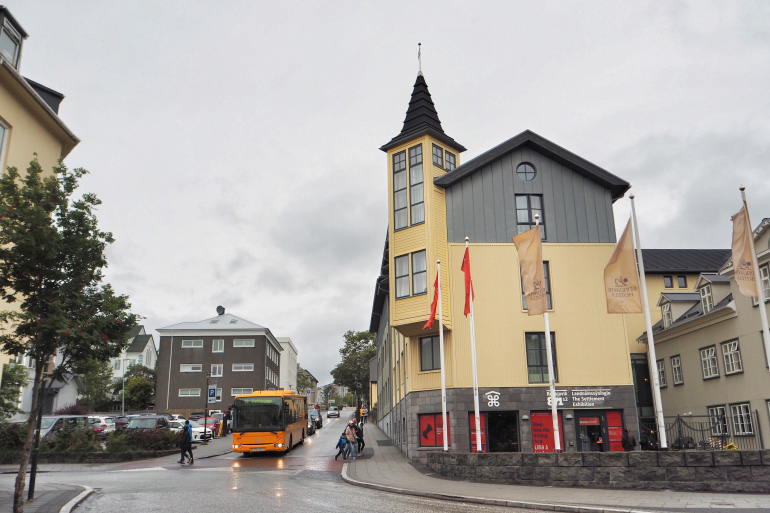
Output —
<point x="491" y="502"/>
<point x="74" y="503"/>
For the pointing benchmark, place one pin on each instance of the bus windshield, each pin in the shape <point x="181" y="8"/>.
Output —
<point x="258" y="414"/>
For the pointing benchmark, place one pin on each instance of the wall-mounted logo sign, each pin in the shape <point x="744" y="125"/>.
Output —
<point x="493" y="399"/>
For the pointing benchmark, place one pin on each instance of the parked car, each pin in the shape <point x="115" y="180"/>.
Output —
<point x="52" y="424"/>
<point x="148" y="422"/>
<point x="210" y="423"/>
<point x="199" y="435"/>
<point x="314" y="416"/>
<point x="333" y="412"/>
<point x="107" y="423"/>
<point x="178" y="416"/>
<point x="310" y="427"/>
<point x="120" y="423"/>
<point x="196" y="415"/>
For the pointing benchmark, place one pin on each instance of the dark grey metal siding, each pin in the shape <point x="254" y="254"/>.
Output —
<point x="482" y="206"/>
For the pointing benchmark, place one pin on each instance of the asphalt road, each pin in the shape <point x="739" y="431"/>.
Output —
<point x="306" y="480"/>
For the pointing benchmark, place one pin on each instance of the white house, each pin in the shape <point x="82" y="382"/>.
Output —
<point x="288" y="373"/>
<point x="140" y="351"/>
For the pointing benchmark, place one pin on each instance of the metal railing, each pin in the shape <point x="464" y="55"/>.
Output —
<point x="704" y="433"/>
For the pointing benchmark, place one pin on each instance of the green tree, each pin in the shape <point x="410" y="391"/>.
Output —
<point x="327" y="392"/>
<point x="134" y="371"/>
<point x="14" y="377"/>
<point x="97" y="384"/>
<point x="139" y="392"/>
<point x="303" y="380"/>
<point x="353" y="370"/>
<point x="51" y="268"/>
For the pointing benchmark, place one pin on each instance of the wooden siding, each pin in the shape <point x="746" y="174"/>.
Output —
<point x="591" y="345"/>
<point x="482" y="206"/>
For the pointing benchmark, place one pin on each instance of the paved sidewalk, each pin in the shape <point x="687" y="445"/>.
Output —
<point x="49" y="498"/>
<point x="384" y="467"/>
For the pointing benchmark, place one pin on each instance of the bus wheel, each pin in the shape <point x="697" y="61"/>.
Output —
<point x="291" y="444"/>
<point x="303" y="437"/>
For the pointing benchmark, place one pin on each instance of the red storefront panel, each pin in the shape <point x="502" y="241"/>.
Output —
<point x="542" y="431"/>
<point x="483" y="423"/>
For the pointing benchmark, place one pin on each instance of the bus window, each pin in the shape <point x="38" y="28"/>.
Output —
<point x="259" y="414"/>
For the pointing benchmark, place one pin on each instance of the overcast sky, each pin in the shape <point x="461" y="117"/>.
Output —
<point x="235" y="143"/>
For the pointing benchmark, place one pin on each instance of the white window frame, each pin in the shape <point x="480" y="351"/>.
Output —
<point x="715" y="414"/>
<point x="243" y="342"/>
<point x="708" y="355"/>
<point x="676" y="370"/>
<point x="731" y="355"/>
<point x="4" y="137"/>
<point x="116" y="365"/>
<point x="662" y="373"/>
<point x="668" y="318"/>
<point x="14" y="36"/>
<point x="192" y="343"/>
<point x="217" y="370"/>
<point x="743" y="424"/>
<point x="706" y="298"/>
<point x="140" y="359"/>
<point x="189" y="392"/>
<point x="218" y="345"/>
<point x="219" y="395"/>
<point x="243" y="367"/>
<point x="190" y="367"/>
<point x="241" y="391"/>
<point x="764" y="280"/>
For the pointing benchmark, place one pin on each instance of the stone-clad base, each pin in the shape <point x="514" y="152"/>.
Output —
<point x="726" y="471"/>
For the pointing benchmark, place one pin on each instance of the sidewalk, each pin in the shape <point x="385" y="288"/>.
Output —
<point x="49" y="498"/>
<point x="384" y="467"/>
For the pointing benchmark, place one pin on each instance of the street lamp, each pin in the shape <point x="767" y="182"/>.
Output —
<point x="206" y="408"/>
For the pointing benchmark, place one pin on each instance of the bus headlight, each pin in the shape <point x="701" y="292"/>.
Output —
<point x="236" y="446"/>
<point x="278" y="445"/>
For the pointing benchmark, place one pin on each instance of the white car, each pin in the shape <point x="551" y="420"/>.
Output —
<point x="199" y="434"/>
<point x="178" y="416"/>
<point x="107" y="423"/>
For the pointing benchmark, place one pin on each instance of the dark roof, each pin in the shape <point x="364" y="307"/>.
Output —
<point x="527" y="138"/>
<point x="380" y="290"/>
<point x="421" y="118"/>
<point x="139" y="343"/>
<point x="676" y="297"/>
<point x="52" y="98"/>
<point x="5" y="13"/>
<point x="135" y="331"/>
<point x="658" y="261"/>
<point x="695" y="311"/>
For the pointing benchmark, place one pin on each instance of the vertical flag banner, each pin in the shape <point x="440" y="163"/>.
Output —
<point x="530" y="251"/>
<point x="466" y="269"/>
<point x="745" y="274"/>
<point x="621" y="279"/>
<point x="433" y="305"/>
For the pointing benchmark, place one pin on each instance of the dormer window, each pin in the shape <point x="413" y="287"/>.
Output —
<point x="667" y="317"/>
<point x="10" y="43"/>
<point x="706" y="298"/>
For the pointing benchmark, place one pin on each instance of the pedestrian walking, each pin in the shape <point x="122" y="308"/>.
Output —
<point x="628" y="441"/>
<point x="342" y="446"/>
<point x="350" y="436"/>
<point x="364" y="414"/>
<point x="360" y="436"/>
<point x="186" y="445"/>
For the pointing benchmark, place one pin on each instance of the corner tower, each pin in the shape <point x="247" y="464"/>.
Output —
<point x="417" y="231"/>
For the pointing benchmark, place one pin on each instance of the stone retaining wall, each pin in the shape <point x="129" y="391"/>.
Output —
<point x="718" y="471"/>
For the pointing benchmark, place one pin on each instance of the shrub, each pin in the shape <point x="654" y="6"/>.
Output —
<point x="70" y="440"/>
<point x="118" y="442"/>
<point x="12" y="436"/>
<point x="72" y="409"/>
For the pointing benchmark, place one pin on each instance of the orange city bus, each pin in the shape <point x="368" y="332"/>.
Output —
<point x="269" y="420"/>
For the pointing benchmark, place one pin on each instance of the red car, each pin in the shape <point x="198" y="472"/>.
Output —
<point x="210" y="423"/>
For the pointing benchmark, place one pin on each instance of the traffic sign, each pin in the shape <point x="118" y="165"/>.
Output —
<point x="212" y="394"/>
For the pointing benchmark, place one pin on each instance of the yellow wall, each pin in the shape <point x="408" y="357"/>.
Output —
<point x="591" y="345"/>
<point x="635" y="322"/>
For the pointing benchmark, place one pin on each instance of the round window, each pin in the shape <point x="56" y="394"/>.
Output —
<point x="526" y="171"/>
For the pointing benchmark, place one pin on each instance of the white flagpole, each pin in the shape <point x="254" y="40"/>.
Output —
<point x="758" y="280"/>
<point x="475" y="374"/>
<point x="441" y="351"/>
<point x="653" y="363"/>
<point x="551" y="382"/>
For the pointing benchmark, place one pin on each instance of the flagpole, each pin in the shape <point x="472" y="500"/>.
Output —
<point x="441" y="351"/>
<point x="475" y="374"/>
<point x="653" y="363"/>
<point x="758" y="280"/>
<point x="549" y="355"/>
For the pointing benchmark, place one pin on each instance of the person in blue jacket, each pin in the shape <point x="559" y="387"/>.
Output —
<point x="186" y="445"/>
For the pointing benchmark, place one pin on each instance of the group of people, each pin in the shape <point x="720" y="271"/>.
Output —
<point x="186" y="445"/>
<point x="351" y="442"/>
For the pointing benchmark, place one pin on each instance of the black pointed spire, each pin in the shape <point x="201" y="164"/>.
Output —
<point x="421" y="118"/>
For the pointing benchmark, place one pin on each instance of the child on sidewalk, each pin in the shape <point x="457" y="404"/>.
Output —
<point x="342" y="445"/>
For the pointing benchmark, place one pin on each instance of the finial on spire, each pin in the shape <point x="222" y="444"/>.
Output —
<point x="419" y="58"/>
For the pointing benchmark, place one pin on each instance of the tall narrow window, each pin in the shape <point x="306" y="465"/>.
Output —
<point x="708" y="361"/>
<point x="10" y="44"/>
<point x="706" y="298"/>
<point x="718" y="420"/>
<point x="218" y="345"/>
<point x="764" y="279"/>
<point x="438" y="156"/>
<point x="419" y="273"/>
<point x="537" y="359"/>
<point x="665" y="309"/>
<point x="731" y="354"/>
<point x="3" y="138"/>
<point x="527" y="205"/>
<point x="450" y="161"/>
<point x="662" y="374"/>
<point x="399" y="191"/>
<point x="547" y="276"/>
<point x="415" y="185"/>
<point x="676" y="370"/>
<point x="402" y="276"/>
<point x="216" y="370"/>
<point x="430" y="358"/>
<point x="742" y="422"/>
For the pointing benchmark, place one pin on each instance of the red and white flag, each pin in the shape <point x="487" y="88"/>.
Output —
<point x="469" y="295"/>
<point x="433" y="305"/>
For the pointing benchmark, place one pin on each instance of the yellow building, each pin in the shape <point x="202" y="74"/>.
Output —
<point x="434" y="204"/>
<point x="29" y="120"/>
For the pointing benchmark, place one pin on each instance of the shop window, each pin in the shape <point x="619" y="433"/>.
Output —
<point x="542" y="431"/>
<point x="547" y="278"/>
<point x="432" y="430"/>
<point x="537" y="359"/>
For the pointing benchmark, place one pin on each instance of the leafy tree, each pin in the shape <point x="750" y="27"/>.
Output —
<point x="353" y="370"/>
<point x="139" y="392"/>
<point x="51" y="262"/>
<point x="327" y="392"/>
<point x="303" y="380"/>
<point x="14" y="377"/>
<point x="134" y="371"/>
<point x="97" y="385"/>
